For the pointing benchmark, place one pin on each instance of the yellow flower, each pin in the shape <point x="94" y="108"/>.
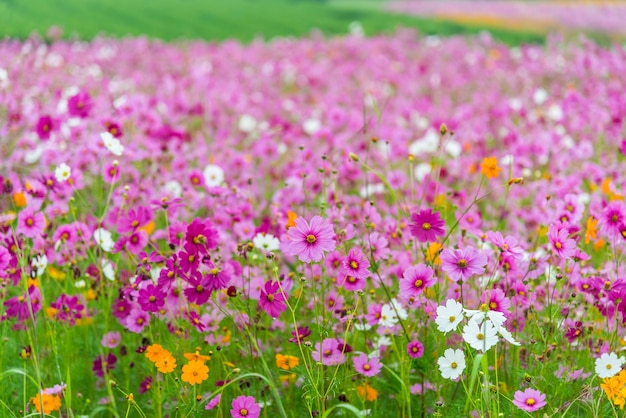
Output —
<point x="195" y="372"/>
<point x="46" y="403"/>
<point x="489" y="167"/>
<point x="286" y="362"/>
<point x="432" y="254"/>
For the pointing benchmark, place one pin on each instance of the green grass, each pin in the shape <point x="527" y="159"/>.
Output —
<point x="219" y="19"/>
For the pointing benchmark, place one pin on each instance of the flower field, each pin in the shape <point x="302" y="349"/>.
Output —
<point x="386" y="226"/>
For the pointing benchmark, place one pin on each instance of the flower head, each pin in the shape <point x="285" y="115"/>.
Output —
<point x="365" y="366"/>
<point x="451" y="364"/>
<point x="608" y="365"/>
<point x="195" y="372"/>
<point x="449" y="316"/>
<point x="489" y="167"/>
<point x="529" y="400"/>
<point x="461" y="264"/>
<point x="427" y="226"/>
<point x="416" y="279"/>
<point x="272" y="299"/>
<point x="62" y="172"/>
<point x="245" y="407"/>
<point x="309" y="241"/>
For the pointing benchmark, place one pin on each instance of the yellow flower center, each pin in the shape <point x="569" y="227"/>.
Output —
<point x="311" y="238"/>
<point x="199" y="288"/>
<point x="480" y="337"/>
<point x="366" y="367"/>
<point x="270" y="297"/>
<point x="452" y="318"/>
<point x="29" y="222"/>
<point x="354" y="265"/>
<point x="243" y="412"/>
<point x="152" y="298"/>
<point x="418" y="283"/>
<point x="426" y="226"/>
<point x="462" y="263"/>
<point x="454" y="365"/>
<point x="558" y="245"/>
<point x="530" y="401"/>
<point x="493" y="306"/>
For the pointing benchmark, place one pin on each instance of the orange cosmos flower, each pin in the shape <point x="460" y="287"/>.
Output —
<point x="365" y="391"/>
<point x="195" y="372"/>
<point x="286" y="362"/>
<point x="489" y="167"/>
<point x="46" y="403"/>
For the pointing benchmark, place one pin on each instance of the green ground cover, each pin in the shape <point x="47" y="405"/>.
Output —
<point x="219" y="19"/>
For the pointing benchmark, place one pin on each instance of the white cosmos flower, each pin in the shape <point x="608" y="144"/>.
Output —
<point x="103" y="238"/>
<point x="174" y="188"/>
<point x="213" y="175"/>
<point x="608" y="365"/>
<point x="429" y="143"/>
<point x="311" y="126"/>
<point x="268" y="242"/>
<point x="496" y="318"/>
<point x="107" y="269"/>
<point x="247" y="123"/>
<point x="451" y="364"/>
<point x="112" y="143"/>
<point x="40" y="262"/>
<point x="449" y="316"/>
<point x="480" y="336"/>
<point x="62" y="172"/>
<point x="390" y="313"/>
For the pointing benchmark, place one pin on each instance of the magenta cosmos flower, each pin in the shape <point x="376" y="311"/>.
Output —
<point x="461" y="264"/>
<point x="529" y="400"/>
<point x="612" y="218"/>
<point x="561" y="244"/>
<point x="309" y="240"/>
<point x="427" y="225"/>
<point x="367" y="367"/>
<point x="245" y="407"/>
<point x="416" y="279"/>
<point x="272" y="300"/>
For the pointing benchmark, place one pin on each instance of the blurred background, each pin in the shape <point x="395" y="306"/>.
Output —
<point x="512" y="22"/>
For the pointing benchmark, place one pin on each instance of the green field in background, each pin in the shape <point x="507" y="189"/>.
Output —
<point x="219" y="19"/>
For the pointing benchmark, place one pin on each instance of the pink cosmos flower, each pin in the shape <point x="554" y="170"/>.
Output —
<point x="330" y="353"/>
<point x="202" y="236"/>
<point x="416" y="279"/>
<point x="529" y="400"/>
<point x="461" y="264"/>
<point x="427" y="225"/>
<point x="137" y="320"/>
<point x="245" y="407"/>
<point x="309" y="241"/>
<point x="612" y="218"/>
<point x="367" y="367"/>
<point x="415" y="349"/>
<point x="213" y="402"/>
<point x="496" y="300"/>
<point x="31" y="223"/>
<point x="111" y="339"/>
<point x="272" y="300"/>
<point x="356" y="264"/>
<point x="508" y="245"/>
<point x="561" y="244"/>
<point x="79" y="105"/>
